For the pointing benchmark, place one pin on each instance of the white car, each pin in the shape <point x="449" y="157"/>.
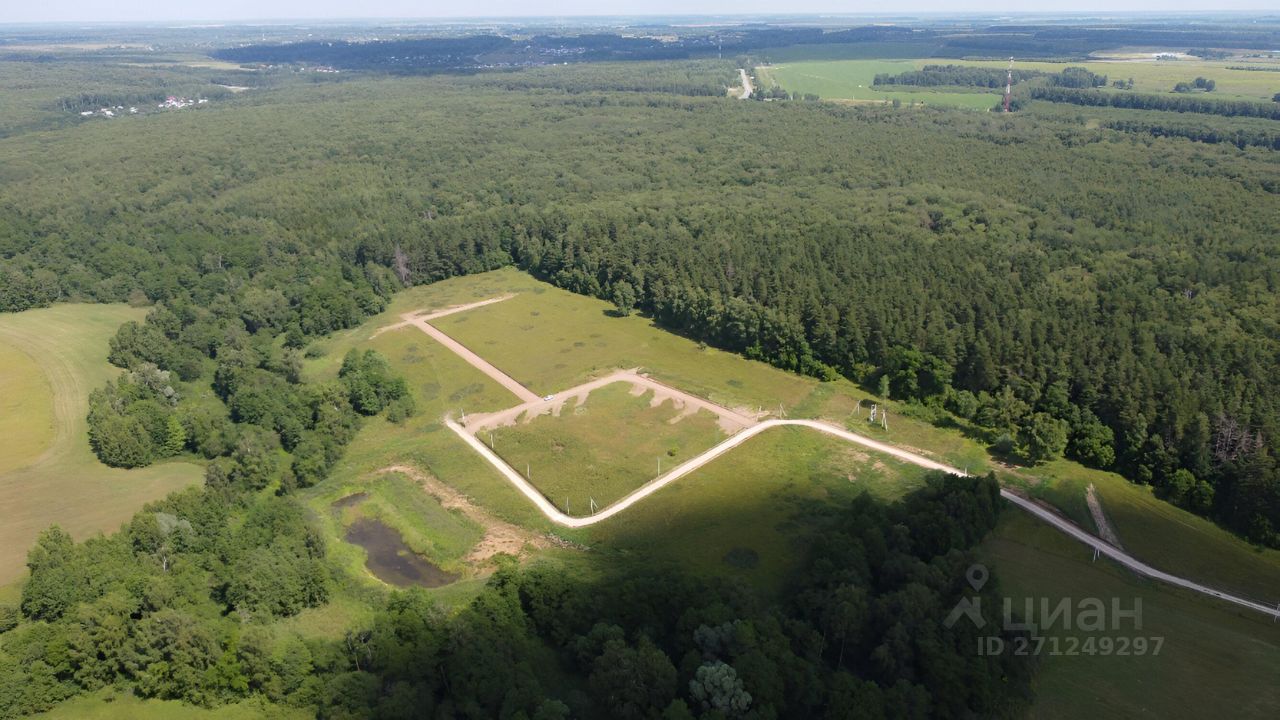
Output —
<point x="548" y="397"/>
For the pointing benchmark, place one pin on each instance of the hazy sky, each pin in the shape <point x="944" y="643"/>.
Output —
<point x="221" y="10"/>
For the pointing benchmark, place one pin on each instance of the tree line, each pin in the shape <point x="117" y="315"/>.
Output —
<point x="179" y="605"/>
<point x="960" y="75"/>
<point x="1238" y="136"/>
<point x="1141" y="101"/>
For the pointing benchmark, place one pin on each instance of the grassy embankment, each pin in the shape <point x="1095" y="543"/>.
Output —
<point x="1214" y="660"/>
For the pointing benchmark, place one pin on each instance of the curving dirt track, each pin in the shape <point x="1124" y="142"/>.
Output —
<point x="751" y="428"/>
<point x="1104" y="548"/>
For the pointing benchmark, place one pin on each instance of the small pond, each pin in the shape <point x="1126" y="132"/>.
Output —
<point x="390" y="560"/>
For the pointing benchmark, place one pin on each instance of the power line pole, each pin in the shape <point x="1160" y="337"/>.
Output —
<point x="1008" y="85"/>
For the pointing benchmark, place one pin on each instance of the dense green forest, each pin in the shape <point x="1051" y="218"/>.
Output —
<point x="1048" y="286"/>
<point x="1104" y="295"/>
<point x="175" y="606"/>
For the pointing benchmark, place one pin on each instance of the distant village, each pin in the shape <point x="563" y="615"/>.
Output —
<point x="173" y="102"/>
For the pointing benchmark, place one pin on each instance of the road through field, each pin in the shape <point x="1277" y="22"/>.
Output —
<point x="746" y="84"/>
<point x="554" y="514"/>
<point x="730" y="421"/>
<point x="479" y="363"/>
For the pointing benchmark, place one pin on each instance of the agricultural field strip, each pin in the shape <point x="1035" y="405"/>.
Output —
<point x="503" y="379"/>
<point x="555" y="515"/>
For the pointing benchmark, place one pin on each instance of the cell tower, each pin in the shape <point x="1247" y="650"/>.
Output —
<point x="1008" y="85"/>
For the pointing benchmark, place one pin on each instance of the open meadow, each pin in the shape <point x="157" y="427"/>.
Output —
<point x="738" y="517"/>
<point x="852" y="79"/>
<point x="534" y="337"/>
<point x="51" y="358"/>
<point x="603" y="448"/>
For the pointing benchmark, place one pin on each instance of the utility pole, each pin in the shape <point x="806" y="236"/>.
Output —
<point x="1008" y="85"/>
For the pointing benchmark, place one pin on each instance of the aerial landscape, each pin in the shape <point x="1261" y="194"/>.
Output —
<point x="647" y="361"/>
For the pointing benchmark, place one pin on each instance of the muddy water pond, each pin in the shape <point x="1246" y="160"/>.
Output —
<point x="390" y="560"/>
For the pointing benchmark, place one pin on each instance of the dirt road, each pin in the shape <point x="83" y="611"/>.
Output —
<point x="1104" y="548"/>
<point x="750" y="430"/>
<point x="746" y="84"/>
<point x="410" y="318"/>
<point x="479" y="363"/>
<point x="730" y="421"/>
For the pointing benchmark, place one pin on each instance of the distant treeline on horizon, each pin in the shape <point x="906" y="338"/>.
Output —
<point x="491" y="51"/>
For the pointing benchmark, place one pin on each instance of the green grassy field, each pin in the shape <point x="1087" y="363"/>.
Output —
<point x="1160" y="533"/>
<point x="740" y="515"/>
<point x="64" y="483"/>
<point x="26" y="409"/>
<point x="1215" y="660"/>
<point x="605" y="447"/>
<point x="1160" y="77"/>
<point x="852" y="79"/>
<point x="550" y="340"/>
